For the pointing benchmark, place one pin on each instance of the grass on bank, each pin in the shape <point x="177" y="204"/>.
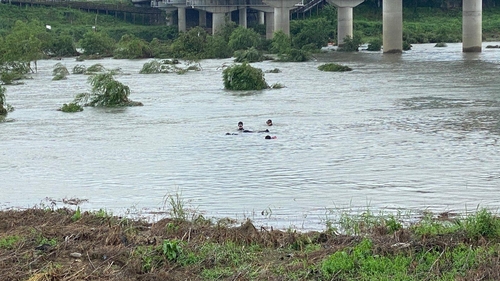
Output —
<point x="186" y="245"/>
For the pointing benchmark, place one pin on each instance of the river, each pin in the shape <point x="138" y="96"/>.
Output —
<point x="411" y="132"/>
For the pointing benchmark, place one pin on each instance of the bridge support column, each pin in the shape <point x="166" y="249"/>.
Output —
<point x="181" y="18"/>
<point x="269" y="25"/>
<point x="218" y="21"/>
<point x="261" y="18"/>
<point x="202" y="18"/>
<point x="392" y="14"/>
<point x="281" y="13"/>
<point x="472" y="33"/>
<point x="243" y="17"/>
<point x="344" y="18"/>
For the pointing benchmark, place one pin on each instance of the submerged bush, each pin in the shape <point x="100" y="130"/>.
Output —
<point x="60" y="71"/>
<point x="106" y="91"/>
<point x="375" y="45"/>
<point x="79" y="69"/>
<point x="168" y="66"/>
<point x="441" y="44"/>
<point x="244" y="77"/>
<point x="333" y="67"/>
<point x="250" y="55"/>
<point x="351" y="44"/>
<point x="71" y="107"/>
<point x="4" y="106"/>
<point x="294" y="55"/>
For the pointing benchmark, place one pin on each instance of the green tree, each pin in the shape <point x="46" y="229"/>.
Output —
<point x="4" y="106"/>
<point x="243" y="77"/>
<point x="22" y="44"/>
<point x="243" y="38"/>
<point x="97" y="43"/>
<point x="314" y="31"/>
<point x="190" y="44"/>
<point x="106" y="91"/>
<point x="131" y="47"/>
<point x="281" y="43"/>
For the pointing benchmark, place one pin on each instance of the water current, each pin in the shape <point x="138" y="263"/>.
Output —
<point x="417" y="131"/>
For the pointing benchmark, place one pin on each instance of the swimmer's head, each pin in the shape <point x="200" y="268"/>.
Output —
<point x="269" y="122"/>
<point x="268" y="137"/>
<point x="240" y="125"/>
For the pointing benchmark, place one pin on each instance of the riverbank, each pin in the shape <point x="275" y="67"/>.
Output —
<point x="62" y="244"/>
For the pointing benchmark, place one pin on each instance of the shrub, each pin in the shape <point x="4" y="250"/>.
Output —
<point x="351" y="44"/>
<point x="71" y="107"/>
<point x="250" y="55"/>
<point x="244" y="77"/>
<point x="333" y="67"/>
<point x="60" y="71"/>
<point x="375" y="45"/>
<point x="243" y="38"/>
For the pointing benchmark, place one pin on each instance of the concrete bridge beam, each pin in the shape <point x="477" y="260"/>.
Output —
<point x="392" y="22"/>
<point x="281" y="13"/>
<point x="472" y="34"/>
<point x="344" y="18"/>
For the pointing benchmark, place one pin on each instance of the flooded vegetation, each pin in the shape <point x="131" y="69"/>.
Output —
<point x="413" y="132"/>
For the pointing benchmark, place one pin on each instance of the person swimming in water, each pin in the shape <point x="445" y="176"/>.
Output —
<point x="269" y="122"/>
<point x="268" y="137"/>
<point x="240" y="128"/>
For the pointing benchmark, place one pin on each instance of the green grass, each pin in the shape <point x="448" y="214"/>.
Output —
<point x="9" y="242"/>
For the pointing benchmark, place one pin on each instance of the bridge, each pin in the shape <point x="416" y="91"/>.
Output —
<point x="275" y="14"/>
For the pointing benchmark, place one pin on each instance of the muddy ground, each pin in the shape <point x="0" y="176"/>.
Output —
<point x="38" y="244"/>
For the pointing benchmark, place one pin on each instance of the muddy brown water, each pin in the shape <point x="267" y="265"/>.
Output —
<point x="412" y="132"/>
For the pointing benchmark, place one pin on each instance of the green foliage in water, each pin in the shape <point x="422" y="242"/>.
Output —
<point x="59" y="72"/>
<point x="243" y="38"/>
<point x="97" y="43"/>
<point x="281" y="43"/>
<point x="244" y="77"/>
<point x="106" y="92"/>
<point x="333" y="67"/>
<point x="131" y="47"/>
<point x="294" y="55"/>
<point x="315" y="32"/>
<point x="351" y="44"/>
<point x="79" y="69"/>
<point x="375" y="45"/>
<point x="71" y="107"/>
<point x="4" y="106"/>
<point x="168" y="66"/>
<point x="250" y="55"/>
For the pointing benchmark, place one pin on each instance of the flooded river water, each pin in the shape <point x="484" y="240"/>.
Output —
<point x="417" y="131"/>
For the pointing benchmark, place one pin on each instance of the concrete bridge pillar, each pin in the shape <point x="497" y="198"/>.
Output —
<point x="472" y="33"/>
<point x="261" y="17"/>
<point x="243" y="17"/>
<point x="392" y="14"/>
<point x="269" y="25"/>
<point x="344" y="18"/>
<point x="202" y="18"/>
<point x="281" y="13"/>
<point x="218" y="21"/>
<point x="181" y="18"/>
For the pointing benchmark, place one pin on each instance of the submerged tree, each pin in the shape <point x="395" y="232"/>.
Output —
<point x="244" y="77"/>
<point x="4" y="107"/>
<point x="59" y="72"/>
<point x="107" y="92"/>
